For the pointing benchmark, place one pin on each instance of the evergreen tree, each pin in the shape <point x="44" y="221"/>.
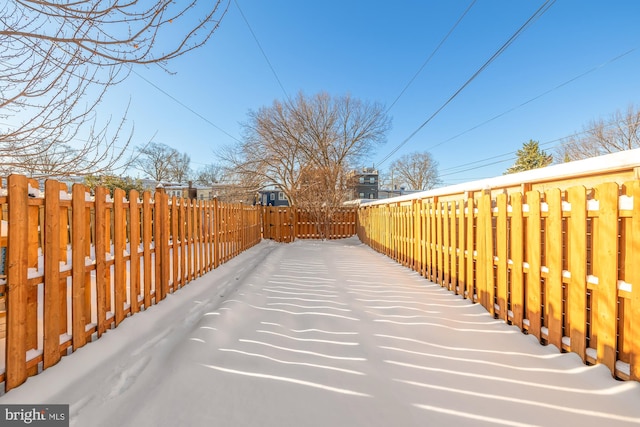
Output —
<point x="530" y="157"/>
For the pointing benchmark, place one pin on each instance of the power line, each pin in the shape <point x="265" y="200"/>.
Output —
<point x="511" y="153"/>
<point x="537" y="14"/>
<point x="262" y="50"/>
<point x="571" y="80"/>
<point x="424" y="64"/>
<point x="184" y="105"/>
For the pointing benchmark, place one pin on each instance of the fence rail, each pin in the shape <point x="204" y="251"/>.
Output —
<point x="561" y="263"/>
<point x="77" y="265"/>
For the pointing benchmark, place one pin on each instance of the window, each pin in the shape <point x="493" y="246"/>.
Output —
<point x="362" y="180"/>
<point x="371" y="196"/>
<point x="280" y="195"/>
<point x="272" y="196"/>
<point x="361" y="195"/>
<point x="372" y="180"/>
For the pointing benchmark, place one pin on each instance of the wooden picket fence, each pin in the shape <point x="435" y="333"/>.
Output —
<point x="558" y="260"/>
<point x="77" y="265"/>
<point x="285" y="224"/>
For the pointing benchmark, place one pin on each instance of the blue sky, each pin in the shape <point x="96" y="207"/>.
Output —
<point x="372" y="49"/>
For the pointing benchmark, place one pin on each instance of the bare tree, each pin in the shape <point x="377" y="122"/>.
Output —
<point x="44" y="161"/>
<point x="180" y="167"/>
<point x="162" y="163"/>
<point x="306" y="145"/>
<point x="209" y="174"/>
<point x="621" y="132"/>
<point x="60" y="58"/>
<point x="418" y="170"/>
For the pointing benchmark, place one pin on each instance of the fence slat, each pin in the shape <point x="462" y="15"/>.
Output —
<point x="501" y="247"/>
<point x="119" y="246"/>
<point x="517" y="245"/>
<point x="100" y="254"/>
<point x="577" y="251"/>
<point x="605" y="268"/>
<point x="471" y="244"/>
<point x="79" y="338"/>
<point x="533" y="291"/>
<point x="553" y="281"/>
<point x="52" y="290"/>
<point x="17" y="247"/>
<point x="147" y="232"/>
<point x="633" y="276"/>
<point x="134" y="246"/>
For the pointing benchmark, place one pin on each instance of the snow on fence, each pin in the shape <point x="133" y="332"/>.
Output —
<point x="74" y="265"/>
<point x="555" y="252"/>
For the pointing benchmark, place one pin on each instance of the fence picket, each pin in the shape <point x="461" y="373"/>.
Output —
<point x="134" y="251"/>
<point x="553" y="282"/>
<point x="605" y="269"/>
<point x="17" y="246"/>
<point x="632" y="189"/>
<point x="101" y="243"/>
<point x="577" y="250"/>
<point x="516" y="245"/>
<point x="501" y="246"/>
<point x="52" y="291"/>
<point x="533" y="259"/>
<point x="78" y="310"/>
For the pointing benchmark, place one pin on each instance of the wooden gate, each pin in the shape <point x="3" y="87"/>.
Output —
<point x="285" y="224"/>
<point x="277" y="223"/>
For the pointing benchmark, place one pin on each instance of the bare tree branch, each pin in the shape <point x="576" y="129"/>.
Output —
<point x="418" y="170"/>
<point x="58" y="59"/>
<point x="621" y="132"/>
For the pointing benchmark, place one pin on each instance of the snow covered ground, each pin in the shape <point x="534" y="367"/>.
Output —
<point x="324" y="334"/>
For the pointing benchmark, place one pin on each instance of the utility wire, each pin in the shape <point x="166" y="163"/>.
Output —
<point x="184" y="105"/>
<point x="424" y="64"/>
<point x="537" y="14"/>
<point x="511" y="153"/>
<point x="262" y="50"/>
<point x="537" y="97"/>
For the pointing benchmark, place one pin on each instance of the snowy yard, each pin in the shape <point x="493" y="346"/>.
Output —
<point x="329" y="334"/>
